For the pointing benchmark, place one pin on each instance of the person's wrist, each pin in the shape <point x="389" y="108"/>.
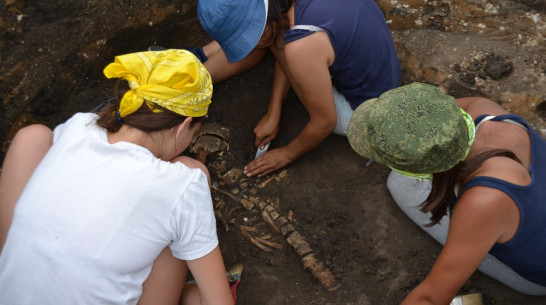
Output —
<point x="289" y="153"/>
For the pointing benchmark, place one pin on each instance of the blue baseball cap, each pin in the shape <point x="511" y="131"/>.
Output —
<point x="237" y="25"/>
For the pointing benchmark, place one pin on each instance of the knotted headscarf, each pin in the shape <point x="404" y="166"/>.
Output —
<point x="173" y="79"/>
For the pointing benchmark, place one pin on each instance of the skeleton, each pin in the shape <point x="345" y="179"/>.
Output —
<point x="211" y="146"/>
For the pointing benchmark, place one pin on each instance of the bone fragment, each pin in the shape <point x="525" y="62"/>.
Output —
<point x="293" y="238"/>
<point x="266" y="182"/>
<point x="255" y="242"/>
<point x="299" y="244"/>
<point x="259" y="244"/>
<point x="249" y="205"/>
<point x="248" y="229"/>
<point x="320" y="272"/>
<point x="302" y="248"/>
<point x="268" y="243"/>
<point x="270" y="222"/>
<point x="222" y="220"/>
<point x="280" y="175"/>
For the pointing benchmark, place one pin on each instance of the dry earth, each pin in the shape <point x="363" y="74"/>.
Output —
<point x="53" y="52"/>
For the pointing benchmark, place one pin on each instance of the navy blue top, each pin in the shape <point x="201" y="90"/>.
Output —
<point x="526" y="251"/>
<point x="366" y="63"/>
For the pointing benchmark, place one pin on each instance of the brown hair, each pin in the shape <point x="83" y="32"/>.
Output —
<point x="144" y="118"/>
<point x="442" y="195"/>
<point x="277" y="22"/>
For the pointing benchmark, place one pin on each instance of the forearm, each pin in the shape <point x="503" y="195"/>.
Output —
<point x="419" y="296"/>
<point x="219" y="67"/>
<point x="192" y="296"/>
<point x="445" y="279"/>
<point x="278" y="92"/>
<point x="209" y="273"/>
<point x="311" y="136"/>
<point x="26" y="151"/>
<point x="454" y="266"/>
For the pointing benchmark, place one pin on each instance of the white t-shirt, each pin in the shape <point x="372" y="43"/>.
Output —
<point x="95" y="215"/>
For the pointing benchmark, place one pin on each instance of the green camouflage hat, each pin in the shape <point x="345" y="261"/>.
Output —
<point x="415" y="128"/>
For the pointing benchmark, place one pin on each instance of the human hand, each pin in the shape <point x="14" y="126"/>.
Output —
<point x="267" y="163"/>
<point x="266" y="130"/>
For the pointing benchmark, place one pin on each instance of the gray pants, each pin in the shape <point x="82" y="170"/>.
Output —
<point x="408" y="193"/>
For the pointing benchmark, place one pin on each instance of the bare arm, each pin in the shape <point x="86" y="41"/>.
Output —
<point x="481" y="217"/>
<point x="164" y="284"/>
<point x="166" y="281"/>
<point x="210" y="276"/>
<point x="219" y="67"/>
<point x="27" y="149"/>
<point x="307" y="62"/>
<point x="267" y="128"/>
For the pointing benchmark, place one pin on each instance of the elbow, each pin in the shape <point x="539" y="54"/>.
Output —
<point x="329" y="124"/>
<point x="324" y="129"/>
<point x="323" y="124"/>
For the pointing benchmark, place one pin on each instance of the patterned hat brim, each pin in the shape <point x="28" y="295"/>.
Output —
<point x="357" y="133"/>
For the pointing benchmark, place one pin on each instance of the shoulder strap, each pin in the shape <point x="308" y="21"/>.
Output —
<point x="310" y="28"/>
<point x="484" y="118"/>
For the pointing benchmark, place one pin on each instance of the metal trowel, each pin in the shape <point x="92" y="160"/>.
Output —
<point x="261" y="151"/>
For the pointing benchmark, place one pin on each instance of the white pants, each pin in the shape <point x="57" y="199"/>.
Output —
<point x="344" y="112"/>
<point x="409" y="193"/>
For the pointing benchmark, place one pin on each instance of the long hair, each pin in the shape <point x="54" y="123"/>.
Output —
<point x="277" y="22"/>
<point x="144" y="119"/>
<point x="443" y="184"/>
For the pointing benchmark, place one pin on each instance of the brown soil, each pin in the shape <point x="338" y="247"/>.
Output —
<point x="341" y="207"/>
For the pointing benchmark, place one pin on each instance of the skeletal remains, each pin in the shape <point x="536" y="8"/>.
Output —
<point x="211" y="146"/>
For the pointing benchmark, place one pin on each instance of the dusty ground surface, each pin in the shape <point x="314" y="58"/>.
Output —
<point x="52" y="55"/>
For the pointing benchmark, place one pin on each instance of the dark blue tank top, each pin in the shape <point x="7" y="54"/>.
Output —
<point x="526" y="251"/>
<point x="366" y="63"/>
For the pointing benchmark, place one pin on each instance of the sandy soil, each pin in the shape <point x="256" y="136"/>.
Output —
<point x="340" y="206"/>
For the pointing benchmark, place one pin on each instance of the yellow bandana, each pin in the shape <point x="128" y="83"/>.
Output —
<point x="174" y="79"/>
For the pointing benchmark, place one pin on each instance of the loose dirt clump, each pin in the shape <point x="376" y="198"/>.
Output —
<point x="481" y="67"/>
